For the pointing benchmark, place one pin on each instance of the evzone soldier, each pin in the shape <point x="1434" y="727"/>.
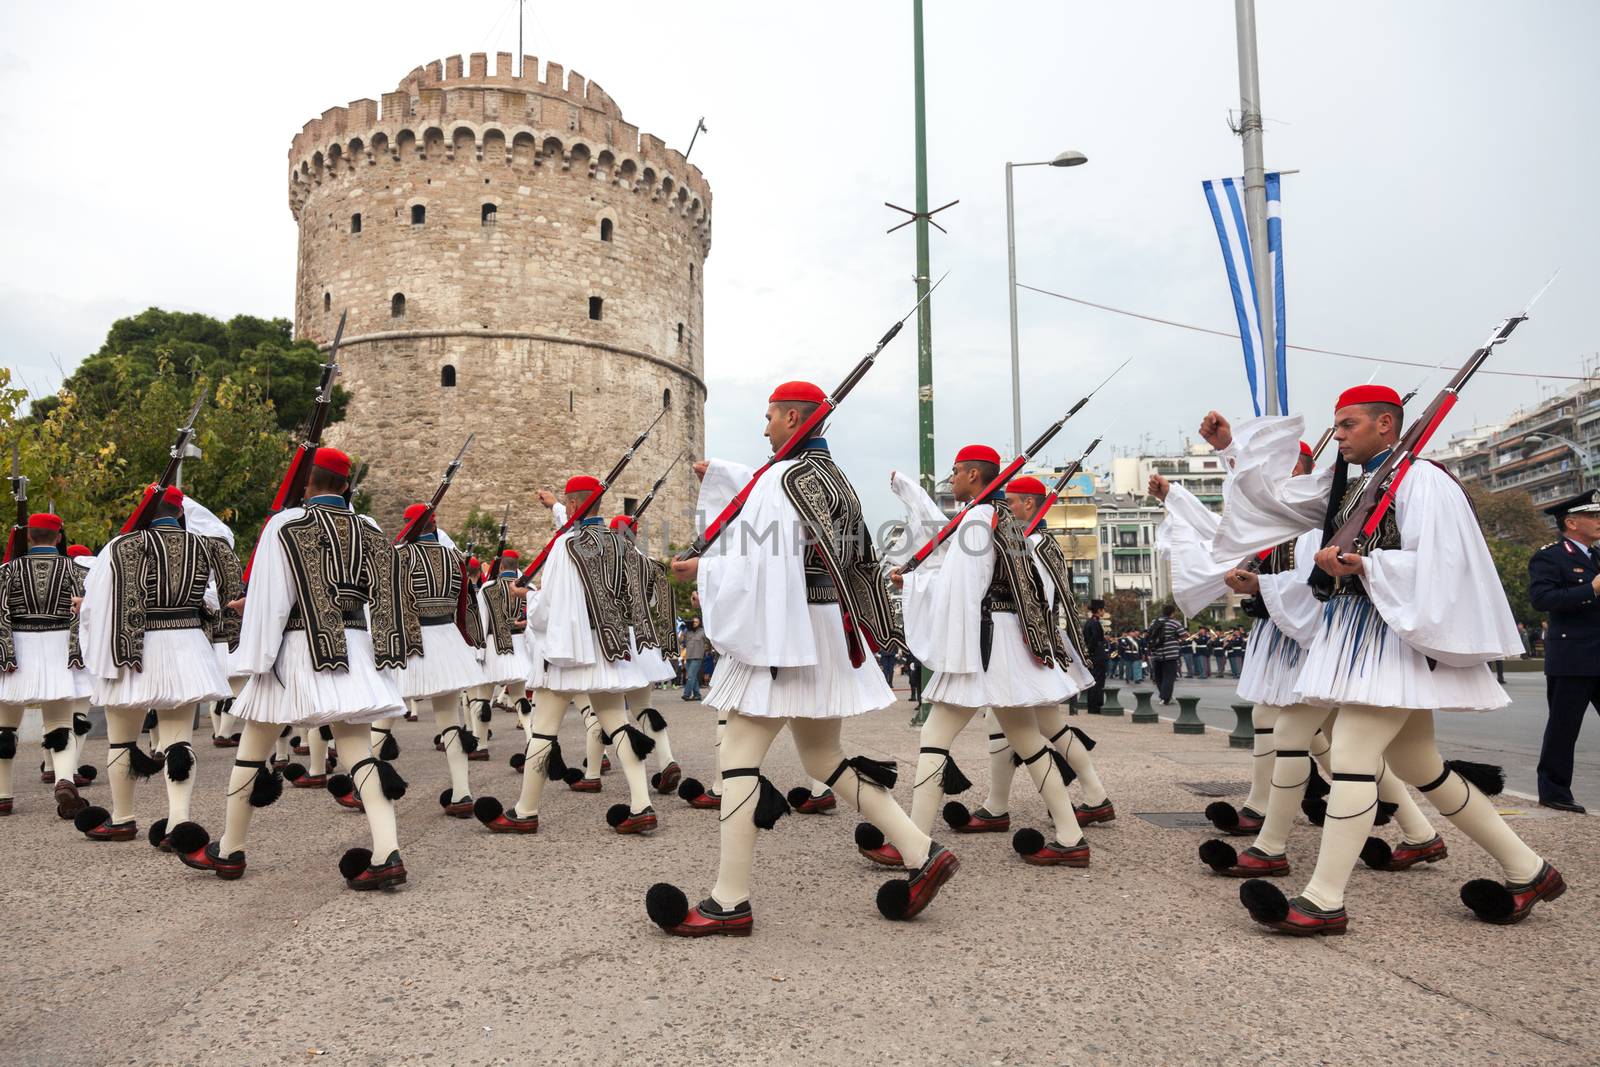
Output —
<point x="650" y="577"/>
<point x="39" y="658"/>
<point x="1026" y="495"/>
<point x="505" y="648"/>
<point x="446" y="664"/>
<point x="327" y="623"/>
<point x="142" y="628"/>
<point x="1412" y="620"/>
<point x="223" y="627"/>
<point x="1292" y="734"/>
<point x="976" y="614"/>
<point x="589" y="624"/>
<point x="776" y="590"/>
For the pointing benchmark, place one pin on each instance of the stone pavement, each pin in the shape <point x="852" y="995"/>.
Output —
<point x="537" y="949"/>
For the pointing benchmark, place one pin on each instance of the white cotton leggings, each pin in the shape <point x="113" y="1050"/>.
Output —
<point x="174" y="726"/>
<point x="447" y="717"/>
<point x="744" y="744"/>
<point x="1297" y="741"/>
<point x="610" y="714"/>
<point x="354" y="742"/>
<point x="1053" y="726"/>
<point x="57" y="714"/>
<point x="1362" y="738"/>
<point x="1021" y="727"/>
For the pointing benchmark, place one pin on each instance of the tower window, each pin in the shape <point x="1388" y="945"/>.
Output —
<point x="397" y="306"/>
<point x="488" y="214"/>
<point x="447" y="376"/>
<point x="691" y="272"/>
<point x="666" y="398"/>
<point x="630" y="505"/>
<point x="327" y="301"/>
<point x="680" y="333"/>
<point x="355" y="223"/>
<point x="419" y="214"/>
<point x="605" y="229"/>
<point x="595" y="306"/>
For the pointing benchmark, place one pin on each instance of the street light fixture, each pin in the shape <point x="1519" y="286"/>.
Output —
<point x="1585" y="457"/>
<point x="1068" y="158"/>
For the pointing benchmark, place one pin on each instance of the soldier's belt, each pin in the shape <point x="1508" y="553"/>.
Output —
<point x="171" y="619"/>
<point x="353" y="620"/>
<point x="438" y="620"/>
<point x="37" y="625"/>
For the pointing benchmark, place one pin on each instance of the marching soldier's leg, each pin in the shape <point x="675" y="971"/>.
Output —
<point x="633" y="745"/>
<point x="125" y="761"/>
<point x="744" y="746"/>
<point x="542" y="761"/>
<point x="1074" y="744"/>
<point x="10" y="719"/>
<point x="1050" y="774"/>
<point x="945" y="722"/>
<point x="251" y="785"/>
<point x="60" y="746"/>
<point x="175" y="736"/>
<point x="447" y="717"/>
<point x="379" y="785"/>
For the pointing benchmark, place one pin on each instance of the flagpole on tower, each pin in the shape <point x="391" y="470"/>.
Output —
<point x="1255" y="197"/>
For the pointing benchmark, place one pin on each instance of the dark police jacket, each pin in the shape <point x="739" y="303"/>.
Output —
<point x="1094" y="638"/>
<point x="1560" y="578"/>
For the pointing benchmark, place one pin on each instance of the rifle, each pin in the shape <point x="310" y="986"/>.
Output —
<point x="292" y="490"/>
<point x="589" y="502"/>
<point x="500" y="549"/>
<point x="1378" y="495"/>
<point x="811" y="425"/>
<point x="413" y="529"/>
<point x="1061" y="484"/>
<point x="1006" y="474"/>
<point x="17" y="540"/>
<point x="639" y="511"/>
<point x="355" y="482"/>
<point x="141" y="513"/>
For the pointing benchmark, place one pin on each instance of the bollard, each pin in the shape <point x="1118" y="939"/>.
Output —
<point x="1111" y="706"/>
<point x="1244" y="732"/>
<point x="1143" y="711"/>
<point x="1188" y="720"/>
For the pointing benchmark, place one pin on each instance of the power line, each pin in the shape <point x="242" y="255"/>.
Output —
<point x="1297" y="348"/>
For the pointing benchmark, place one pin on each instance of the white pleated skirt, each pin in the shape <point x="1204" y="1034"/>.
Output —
<point x="179" y="669"/>
<point x="1014" y="678"/>
<point x="605" y="676"/>
<point x="510" y="669"/>
<point x="831" y="689"/>
<point x="535" y="661"/>
<point x="42" y="672"/>
<point x="1079" y="675"/>
<point x="357" y="693"/>
<point x="225" y="661"/>
<point x="447" y="665"/>
<point x="1271" y="670"/>
<point x="1357" y="659"/>
<point x="655" y="665"/>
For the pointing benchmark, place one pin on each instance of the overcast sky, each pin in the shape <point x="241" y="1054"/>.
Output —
<point x="1447" y="155"/>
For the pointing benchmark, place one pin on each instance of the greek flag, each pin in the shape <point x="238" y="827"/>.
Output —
<point x="1226" y="199"/>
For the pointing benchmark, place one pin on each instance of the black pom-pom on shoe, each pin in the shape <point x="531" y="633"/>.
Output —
<point x="188" y="837"/>
<point x="572" y="775"/>
<point x="341" y="785"/>
<point x="1376" y="853"/>
<point x="798" y="796"/>
<point x="894" y="899"/>
<point x="615" y="815"/>
<point x="485" y="809"/>
<point x="354" y="862"/>
<point x="956" y="815"/>
<point x="1222" y="815"/>
<point x="518" y="760"/>
<point x="91" y="818"/>
<point x="868" y="837"/>
<point x="157" y="833"/>
<point x="666" y="905"/>
<point x="1027" y="841"/>
<point x="1264" y="901"/>
<point x="1218" y="855"/>
<point x="294" y="772"/>
<point x="691" y="789"/>
<point x="88" y="772"/>
<point x="444" y="798"/>
<point x="1489" y="900"/>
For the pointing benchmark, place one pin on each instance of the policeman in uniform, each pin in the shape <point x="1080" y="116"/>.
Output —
<point x="1564" y="582"/>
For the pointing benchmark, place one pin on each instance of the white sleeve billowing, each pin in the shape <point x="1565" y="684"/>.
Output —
<point x="752" y="582"/>
<point x="923" y="519"/>
<point x="567" y="637"/>
<point x="558" y="515"/>
<point x="1184" y="536"/>
<point x="1440" y="592"/>
<point x="271" y="597"/>
<point x="1294" y="608"/>
<point x="721" y="484"/>
<point x="942" y="597"/>
<point x="1263" y="503"/>
<point x="96" y="619"/>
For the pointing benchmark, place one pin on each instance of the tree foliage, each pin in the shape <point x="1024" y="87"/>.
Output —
<point x="480" y="529"/>
<point x="1514" y="528"/>
<point x="91" y="448"/>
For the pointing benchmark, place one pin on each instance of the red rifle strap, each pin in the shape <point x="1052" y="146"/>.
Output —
<point x="1386" y="501"/>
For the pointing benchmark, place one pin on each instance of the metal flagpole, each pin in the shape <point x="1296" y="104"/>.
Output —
<point x="1255" y="195"/>
<point x="925" y="459"/>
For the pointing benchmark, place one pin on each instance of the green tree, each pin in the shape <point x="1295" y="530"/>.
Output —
<point x="1514" y="528"/>
<point x="481" y="529"/>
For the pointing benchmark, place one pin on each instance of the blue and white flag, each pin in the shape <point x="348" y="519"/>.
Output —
<point x="1226" y="198"/>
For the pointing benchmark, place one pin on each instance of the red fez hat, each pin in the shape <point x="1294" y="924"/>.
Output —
<point x="619" y="521"/>
<point x="333" y="461"/>
<point x="978" y="454"/>
<point x="474" y="563"/>
<point x="1368" y="394"/>
<point x="414" y="512"/>
<point x="800" y="392"/>
<point x="509" y="553"/>
<point x="43" y="520"/>
<point x="74" y="551"/>
<point x="1027" y="485"/>
<point x="173" y="495"/>
<point x="1305" y="450"/>
<point x="582" y="483"/>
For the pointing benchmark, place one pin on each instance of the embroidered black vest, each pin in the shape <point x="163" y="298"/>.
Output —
<point x="508" y="615"/>
<point x="610" y="592"/>
<point x="436" y="583"/>
<point x="1387" y="536"/>
<point x="229" y="576"/>
<point x="36" y="597"/>
<point x="340" y="565"/>
<point x="158" y="582"/>
<point x="1063" y="604"/>
<point x="1015" y="587"/>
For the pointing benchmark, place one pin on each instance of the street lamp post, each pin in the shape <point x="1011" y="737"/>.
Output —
<point x="1064" y="159"/>
<point x="1585" y="457"/>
